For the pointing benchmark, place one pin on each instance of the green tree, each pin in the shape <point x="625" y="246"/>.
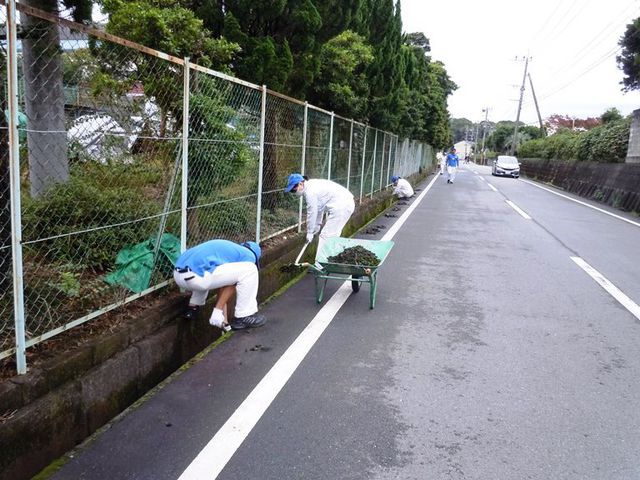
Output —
<point x="500" y="139"/>
<point x="460" y="127"/>
<point x="385" y="73"/>
<point x="611" y="115"/>
<point x="162" y="25"/>
<point x="277" y="37"/>
<point x="629" y="58"/>
<point x="341" y="84"/>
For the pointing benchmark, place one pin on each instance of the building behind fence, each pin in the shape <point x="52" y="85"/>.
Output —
<point x="109" y="148"/>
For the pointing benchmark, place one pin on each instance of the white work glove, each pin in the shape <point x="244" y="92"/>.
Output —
<point x="217" y="320"/>
<point x="309" y="237"/>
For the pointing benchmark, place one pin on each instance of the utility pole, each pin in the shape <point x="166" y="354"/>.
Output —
<point x="515" y="130"/>
<point x="535" y="101"/>
<point x="466" y="139"/>
<point x="484" y="133"/>
<point x="475" y="144"/>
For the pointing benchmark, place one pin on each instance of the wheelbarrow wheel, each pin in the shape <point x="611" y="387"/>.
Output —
<point x="355" y="285"/>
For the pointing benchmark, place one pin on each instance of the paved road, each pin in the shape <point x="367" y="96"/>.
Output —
<point x="491" y="354"/>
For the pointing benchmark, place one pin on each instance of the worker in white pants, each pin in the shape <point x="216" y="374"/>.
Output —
<point x="401" y="187"/>
<point x="452" y="165"/>
<point x="322" y="196"/>
<point x="441" y="162"/>
<point x="229" y="267"/>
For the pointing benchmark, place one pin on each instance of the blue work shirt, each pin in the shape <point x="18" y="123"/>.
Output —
<point x="452" y="160"/>
<point x="208" y="255"/>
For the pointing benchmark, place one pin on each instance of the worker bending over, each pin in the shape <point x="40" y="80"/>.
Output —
<point x="322" y="196"/>
<point x="401" y="187"/>
<point x="229" y="267"/>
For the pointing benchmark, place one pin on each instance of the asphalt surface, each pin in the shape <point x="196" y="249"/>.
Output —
<point x="489" y="355"/>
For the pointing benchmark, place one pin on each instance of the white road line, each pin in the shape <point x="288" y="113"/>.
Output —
<point x="518" y="209"/>
<point x="481" y="178"/>
<point x="492" y="187"/>
<point x="614" y="291"/>
<point x="217" y="453"/>
<point x="581" y="203"/>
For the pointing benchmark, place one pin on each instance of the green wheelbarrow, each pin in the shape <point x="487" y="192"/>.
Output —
<point x="356" y="273"/>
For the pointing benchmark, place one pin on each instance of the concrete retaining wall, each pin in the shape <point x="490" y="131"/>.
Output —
<point x="53" y="408"/>
<point x="614" y="184"/>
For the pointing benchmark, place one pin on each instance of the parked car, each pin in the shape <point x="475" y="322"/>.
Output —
<point x="506" y="165"/>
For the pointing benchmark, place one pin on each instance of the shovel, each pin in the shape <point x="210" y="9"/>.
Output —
<point x="304" y="247"/>
<point x="292" y="266"/>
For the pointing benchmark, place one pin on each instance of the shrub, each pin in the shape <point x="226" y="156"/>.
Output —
<point x="84" y="204"/>
<point x="606" y="143"/>
<point x="232" y="220"/>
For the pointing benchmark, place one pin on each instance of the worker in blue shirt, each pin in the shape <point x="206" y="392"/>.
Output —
<point x="452" y="165"/>
<point x="229" y="267"/>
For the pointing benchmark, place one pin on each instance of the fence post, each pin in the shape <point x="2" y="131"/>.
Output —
<point x="395" y="154"/>
<point x="304" y="159"/>
<point x="389" y="174"/>
<point x="384" y="139"/>
<point x="16" y="208"/>
<point x="330" y="146"/>
<point x="373" y="167"/>
<point x="349" y="159"/>
<point x="263" y="119"/>
<point x="186" y="95"/>
<point x="364" y="158"/>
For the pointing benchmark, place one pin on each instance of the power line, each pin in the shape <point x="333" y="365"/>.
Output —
<point x="609" y="54"/>
<point x="546" y="22"/>
<point x="585" y="50"/>
<point x="560" y="23"/>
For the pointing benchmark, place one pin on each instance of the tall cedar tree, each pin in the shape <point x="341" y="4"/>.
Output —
<point x="382" y="25"/>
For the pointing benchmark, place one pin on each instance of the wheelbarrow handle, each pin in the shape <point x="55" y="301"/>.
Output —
<point x="304" y="247"/>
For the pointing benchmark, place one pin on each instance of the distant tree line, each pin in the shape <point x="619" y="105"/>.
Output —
<point x="595" y="139"/>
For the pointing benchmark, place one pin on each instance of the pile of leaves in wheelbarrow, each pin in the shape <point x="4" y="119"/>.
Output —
<point x="357" y="255"/>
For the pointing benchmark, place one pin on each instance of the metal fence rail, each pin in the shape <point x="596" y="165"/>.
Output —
<point x="148" y="149"/>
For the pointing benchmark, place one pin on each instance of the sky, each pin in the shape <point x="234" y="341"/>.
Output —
<point x="572" y="46"/>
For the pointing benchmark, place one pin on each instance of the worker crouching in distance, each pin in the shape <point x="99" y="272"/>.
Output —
<point x="401" y="187"/>
<point x="322" y="196"/>
<point x="228" y="267"/>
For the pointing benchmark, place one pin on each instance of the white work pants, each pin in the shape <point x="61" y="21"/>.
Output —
<point x="337" y="218"/>
<point x="244" y="275"/>
<point x="451" y="173"/>
<point x="442" y="167"/>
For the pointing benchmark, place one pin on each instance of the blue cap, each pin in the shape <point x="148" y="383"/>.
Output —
<point x="294" y="179"/>
<point x="395" y="178"/>
<point x="254" y="247"/>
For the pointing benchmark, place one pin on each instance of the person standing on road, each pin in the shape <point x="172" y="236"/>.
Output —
<point x="441" y="161"/>
<point x="229" y="267"/>
<point x="401" y="187"/>
<point x="322" y="196"/>
<point x="452" y="165"/>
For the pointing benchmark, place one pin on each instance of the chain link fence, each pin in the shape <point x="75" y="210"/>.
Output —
<point x="115" y="157"/>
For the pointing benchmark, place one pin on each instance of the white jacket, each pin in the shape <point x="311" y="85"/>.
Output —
<point x="324" y="195"/>
<point x="403" y="189"/>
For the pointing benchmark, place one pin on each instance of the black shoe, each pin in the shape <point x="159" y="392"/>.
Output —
<point x="191" y="313"/>
<point x="250" y="321"/>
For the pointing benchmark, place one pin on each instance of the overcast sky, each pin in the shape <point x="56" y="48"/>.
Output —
<point x="572" y="45"/>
